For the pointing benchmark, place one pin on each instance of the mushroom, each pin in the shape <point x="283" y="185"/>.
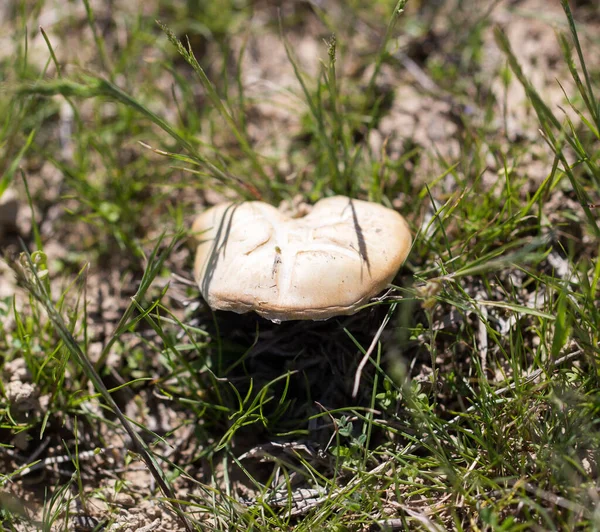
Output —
<point x="252" y="257"/>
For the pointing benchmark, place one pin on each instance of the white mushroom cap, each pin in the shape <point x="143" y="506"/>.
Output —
<point x="251" y="257"/>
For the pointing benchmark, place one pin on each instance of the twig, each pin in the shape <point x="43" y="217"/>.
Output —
<point x="399" y="524"/>
<point x="55" y="460"/>
<point x="482" y="336"/>
<point x="365" y="358"/>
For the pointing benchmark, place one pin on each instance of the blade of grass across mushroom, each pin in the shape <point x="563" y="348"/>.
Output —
<point x="238" y="131"/>
<point x="95" y="87"/>
<point x="28" y="276"/>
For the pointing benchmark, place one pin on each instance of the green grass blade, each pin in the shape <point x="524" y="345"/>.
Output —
<point x="27" y="275"/>
<point x="9" y="174"/>
<point x="594" y="104"/>
<point x="189" y="56"/>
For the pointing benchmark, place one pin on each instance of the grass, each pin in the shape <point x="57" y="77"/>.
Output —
<point x="466" y="398"/>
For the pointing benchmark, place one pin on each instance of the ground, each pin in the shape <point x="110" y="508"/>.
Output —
<point x="127" y="404"/>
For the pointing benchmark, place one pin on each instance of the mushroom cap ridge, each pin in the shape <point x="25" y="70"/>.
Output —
<point x="251" y="257"/>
